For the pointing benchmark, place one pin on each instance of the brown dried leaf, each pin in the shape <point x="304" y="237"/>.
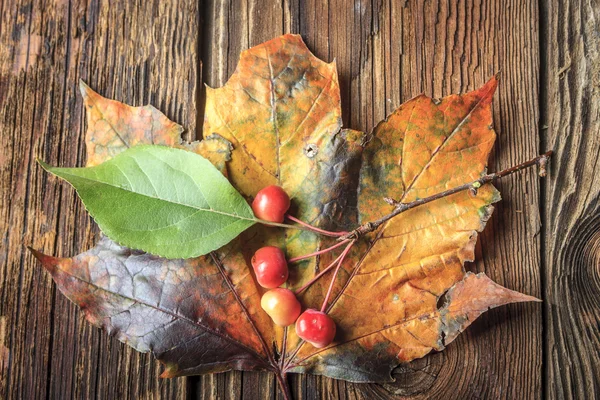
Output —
<point x="277" y="121"/>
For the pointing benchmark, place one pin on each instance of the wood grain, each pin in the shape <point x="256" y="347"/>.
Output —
<point x="544" y="242"/>
<point x="386" y="53"/>
<point x="129" y="51"/>
<point x="571" y="126"/>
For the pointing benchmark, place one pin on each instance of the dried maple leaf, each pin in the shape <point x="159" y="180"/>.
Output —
<point x="277" y="121"/>
<point x="395" y="280"/>
<point x="114" y="127"/>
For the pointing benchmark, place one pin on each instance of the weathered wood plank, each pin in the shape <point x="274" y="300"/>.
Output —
<point x="400" y="50"/>
<point x="138" y="52"/>
<point x="571" y="118"/>
<point x="386" y="53"/>
<point x="230" y="27"/>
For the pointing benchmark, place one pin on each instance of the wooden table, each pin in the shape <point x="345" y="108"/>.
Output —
<point x="544" y="238"/>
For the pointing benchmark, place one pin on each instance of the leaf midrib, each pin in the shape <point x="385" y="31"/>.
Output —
<point x="218" y="262"/>
<point x="427" y="316"/>
<point x="174" y="315"/>
<point x="448" y="138"/>
<point x="105" y="119"/>
<point x="212" y="210"/>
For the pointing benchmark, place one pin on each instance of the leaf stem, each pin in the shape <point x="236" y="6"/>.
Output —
<point x="316" y="253"/>
<point x="314" y="228"/>
<point x="284" y="385"/>
<point x="339" y="264"/>
<point x="541" y="160"/>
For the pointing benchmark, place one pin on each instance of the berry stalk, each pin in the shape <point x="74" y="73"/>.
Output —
<point x="314" y="228"/>
<point x="339" y="265"/>
<point x="316" y="253"/>
<point x="319" y="275"/>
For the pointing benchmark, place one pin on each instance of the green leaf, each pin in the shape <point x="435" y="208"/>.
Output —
<point x="164" y="201"/>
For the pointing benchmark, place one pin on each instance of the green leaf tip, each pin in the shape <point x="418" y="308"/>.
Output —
<point x="46" y="166"/>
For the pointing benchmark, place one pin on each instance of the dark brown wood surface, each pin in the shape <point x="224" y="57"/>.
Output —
<point x="570" y="109"/>
<point x="544" y="238"/>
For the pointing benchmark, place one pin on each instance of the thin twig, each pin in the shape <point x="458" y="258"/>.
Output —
<point x="316" y="253"/>
<point x="339" y="264"/>
<point x="541" y="160"/>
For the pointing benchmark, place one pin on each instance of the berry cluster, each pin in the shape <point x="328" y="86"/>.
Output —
<point x="271" y="270"/>
<point x="270" y="266"/>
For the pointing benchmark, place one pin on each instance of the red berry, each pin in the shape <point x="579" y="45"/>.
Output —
<point x="282" y="306"/>
<point x="316" y="327"/>
<point x="270" y="267"/>
<point x="271" y="203"/>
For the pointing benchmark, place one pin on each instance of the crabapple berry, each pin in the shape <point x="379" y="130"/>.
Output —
<point x="271" y="203"/>
<point x="270" y="266"/>
<point x="282" y="306"/>
<point x="316" y="327"/>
